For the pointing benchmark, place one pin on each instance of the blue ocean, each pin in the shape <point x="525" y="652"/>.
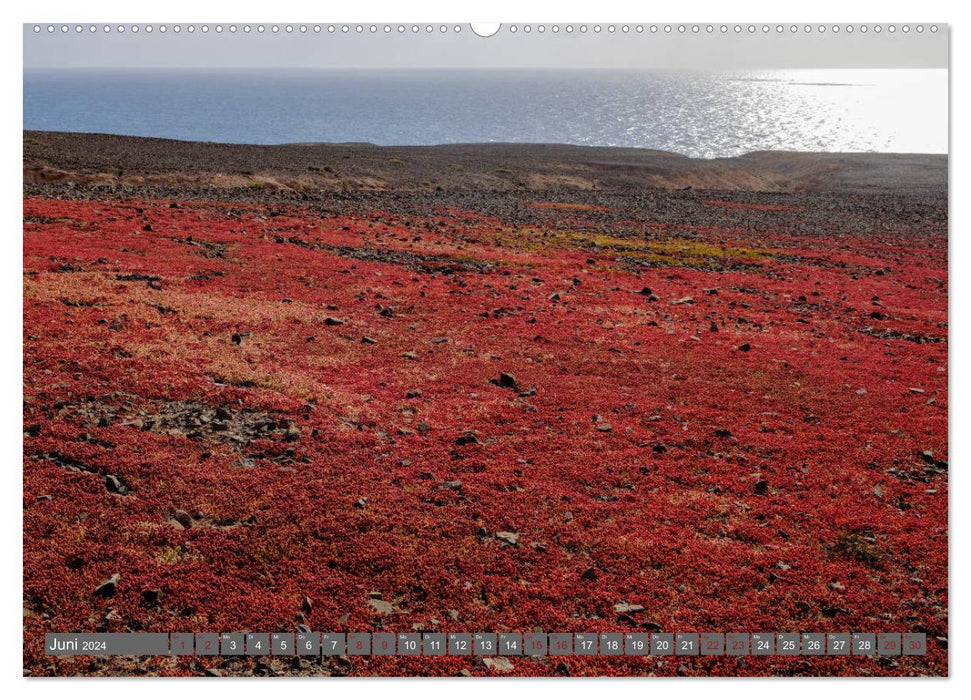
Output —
<point x="707" y="115"/>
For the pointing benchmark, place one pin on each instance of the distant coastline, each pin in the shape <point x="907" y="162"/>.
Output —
<point x="58" y="159"/>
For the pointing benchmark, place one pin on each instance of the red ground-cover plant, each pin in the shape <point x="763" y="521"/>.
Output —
<point x="263" y="416"/>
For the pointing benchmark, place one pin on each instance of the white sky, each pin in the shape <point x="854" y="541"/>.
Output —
<point x="645" y="50"/>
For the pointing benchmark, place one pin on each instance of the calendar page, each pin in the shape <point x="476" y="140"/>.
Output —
<point x="498" y="350"/>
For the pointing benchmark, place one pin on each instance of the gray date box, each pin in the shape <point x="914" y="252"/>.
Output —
<point x="864" y="644"/>
<point x="534" y="644"/>
<point x="763" y="643"/>
<point x="611" y="644"/>
<point x="787" y="644"/>
<point x="686" y="644"/>
<point x="637" y="644"/>
<point x="585" y="644"/>
<point x="838" y="644"/>
<point x="888" y="644"/>
<point x="257" y="644"/>
<point x="333" y="644"/>
<point x="561" y="644"/>
<point x="433" y="644"/>
<point x="914" y="643"/>
<point x="232" y="644"/>
<point x="737" y="644"/>
<point x="459" y="644"/>
<point x="485" y="644"/>
<point x="510" y="644"/>
<point x="308" y="643"/>
<point x="358" y="643"/>
<point x="182" y="644"/>
<point x="712" y="644"/>
<point x="409" y="644"/>
<point x="207" y="644"/>
<point x="281" y="644"/>
<point x="383" y="644"/>
<point x="813" y="644"/>
<point x="662" y="644"/>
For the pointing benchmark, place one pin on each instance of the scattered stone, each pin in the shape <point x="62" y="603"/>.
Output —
<point x="307" y="606"/>
<point x="833" y="611"/>
<point x="331" y="321"/>
<point x="604" y="427"/>
<point x="366" y="340"/>
<point x="626" y="608"/>
<point x="682" y="300"/>
<point x="498" y="663"/>
<point x="413" y="394"/>
<point x="108" y="587"/>
<point x="116" y="485"/>
<point x="440" y="341"/>
<point x="410" y="355"/>
<point x="761" y="487"/>
<point x="744" y="347"/>
<point x="151" y="596"/>
<point x="453" y="485"/>
<point x="380" y="607"/>
<point x="511" y="538"/>
<point x="468" y="438"/>
<point x="182" y="518"/>
<point x="360" y="503"/>
<point x="506" y="381"/>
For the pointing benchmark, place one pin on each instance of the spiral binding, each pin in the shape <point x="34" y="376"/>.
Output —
<point x="425" y="29"/>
